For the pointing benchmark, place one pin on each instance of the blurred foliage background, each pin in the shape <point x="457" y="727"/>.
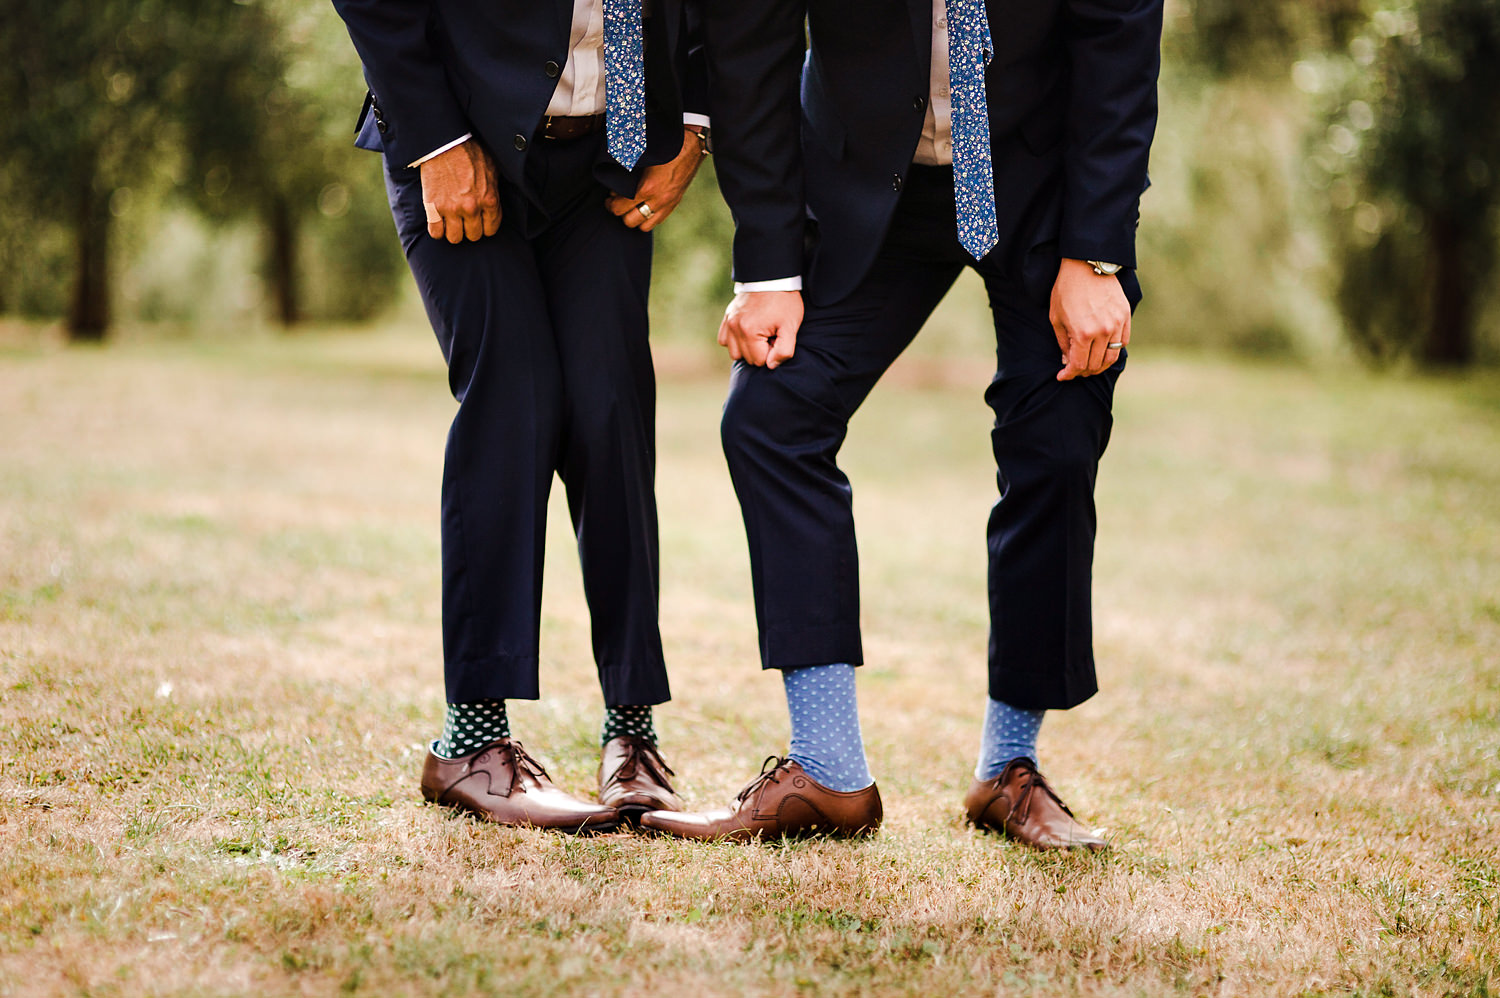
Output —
<point x="1324" y="179"/>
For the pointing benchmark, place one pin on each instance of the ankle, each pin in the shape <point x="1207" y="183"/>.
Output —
<point x="628" y="722"/>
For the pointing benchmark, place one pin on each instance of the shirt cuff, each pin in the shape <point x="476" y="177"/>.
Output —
<point x="696" y="119"/>
<point x="441" y="149"/>
<point x="780" y="284"/>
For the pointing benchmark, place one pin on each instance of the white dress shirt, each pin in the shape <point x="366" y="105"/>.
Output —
<point x="936" y="145"/>
<point x="580" y="88"/>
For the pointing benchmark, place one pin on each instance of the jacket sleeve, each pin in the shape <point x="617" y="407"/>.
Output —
<point x="1115" y="51"/>
<point x="405" y="74"/>
<point x="694" y="61"/>
<point x="754" y="50"/>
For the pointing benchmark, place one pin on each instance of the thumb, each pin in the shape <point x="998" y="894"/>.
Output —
<point x="784" y="347"/>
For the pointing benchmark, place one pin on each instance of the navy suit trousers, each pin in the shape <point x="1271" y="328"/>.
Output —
<point x="782" y="431"/>
<point x="544" y="330"/>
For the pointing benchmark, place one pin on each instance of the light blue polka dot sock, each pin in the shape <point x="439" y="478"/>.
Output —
<point x="826" y="741"/>
<point x="1009" y="733"/>
<point x="469" y="727"/>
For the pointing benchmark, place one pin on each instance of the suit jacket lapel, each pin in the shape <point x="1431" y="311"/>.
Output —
<point x="564" y="11"/>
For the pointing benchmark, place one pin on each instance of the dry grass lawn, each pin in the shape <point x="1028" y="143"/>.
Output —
<point x="219" y="659"/>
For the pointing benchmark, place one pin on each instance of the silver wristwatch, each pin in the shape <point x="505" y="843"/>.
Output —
<point x="1104" y="269"/>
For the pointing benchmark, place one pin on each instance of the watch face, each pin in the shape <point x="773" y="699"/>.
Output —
<point x="1105" y="269"/>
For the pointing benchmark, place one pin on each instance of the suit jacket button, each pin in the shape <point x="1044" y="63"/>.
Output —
<point x="520" y="142"/>
<point x="896" y="182"/>
<point x="552" y="69"/>
<point x="919" y="102"/>
<point x="381" y="126"/>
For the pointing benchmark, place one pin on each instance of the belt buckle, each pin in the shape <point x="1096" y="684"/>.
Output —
<point x="576" y="126"/>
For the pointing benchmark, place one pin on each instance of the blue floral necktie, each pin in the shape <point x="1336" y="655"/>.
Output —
<point x="969" y="51"/>
<point x="624" y="82"/>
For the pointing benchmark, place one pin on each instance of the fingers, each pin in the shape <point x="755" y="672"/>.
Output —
<point x="1109" y="345"/>
<point x="1090" y="318"/>
<point x="750" y="349"/>
<point x="469" y="219"/>
<point x="1059" y="328"/>
<point x="782" y="346"/>
<point x="1092" y="354"/>
<point x="729" y="341"/>
<point x="629" y="211"/>
<point x="742" y="346"/>
<point x="661" y="189"/>
<point x="746" y="342"/>
<point x="1115" y="345"/>
<point x="473" y="224"/>
<point x="755" y="351"/>
<point x="1097" y="349"/>
<point x="459" y="195"/>
<point x="658" y="215"/>
<point x="1060" y="332"/>
<point x="626" y="210"/>
<point x="1089" y="347"/>
<point x="760" y="327"/>
<point x="1075" y="361"/>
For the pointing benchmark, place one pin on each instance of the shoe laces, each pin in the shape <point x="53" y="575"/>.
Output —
<point x="520" y="762"/>
<point x="772" y="765"/>
<point x="1031" y="779"/>
<point x="642" y="756"/>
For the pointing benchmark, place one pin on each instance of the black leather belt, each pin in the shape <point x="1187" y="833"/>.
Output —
<point x="561" y="127"/>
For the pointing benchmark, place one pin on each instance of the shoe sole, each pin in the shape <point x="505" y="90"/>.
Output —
<point x="740" y="837"/>
<point x="1091" y="847"/>
<point x="484" y="816"/>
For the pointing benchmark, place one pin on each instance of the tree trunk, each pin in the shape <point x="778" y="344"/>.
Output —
<point x="1450" y="337"/>
<point x="282" y="261"/>
<point x="88" y="320"/>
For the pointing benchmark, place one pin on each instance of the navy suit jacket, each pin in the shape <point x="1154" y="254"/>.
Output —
<point x="440" y="68"/>
<point x="1071" y="94"/>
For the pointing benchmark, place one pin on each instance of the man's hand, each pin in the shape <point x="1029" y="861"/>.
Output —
<point x="1091" y="319"/>
<point x="458" y="191"/>
<point x="661" y="187"/>
<point x="760" y="327"/>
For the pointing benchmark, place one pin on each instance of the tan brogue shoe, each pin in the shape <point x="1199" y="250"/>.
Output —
<point x="1019" y="803"/>
<point x="501" y="783"/>
<point x="783" y="801"/>
<point x="633" y="778"/>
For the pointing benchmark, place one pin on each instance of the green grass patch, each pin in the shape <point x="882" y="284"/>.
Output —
<point x="220" y="661"/>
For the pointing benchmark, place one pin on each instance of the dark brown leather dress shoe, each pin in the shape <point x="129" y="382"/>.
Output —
<point x="1019" y="803"/>
<point x="783" y="801"/>
<point x="633" y="778"/>
<point x="501" y="783"/>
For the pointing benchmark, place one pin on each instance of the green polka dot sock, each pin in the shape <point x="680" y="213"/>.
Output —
<point x="628" y="721"/>
<point x="469" y="727"/>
